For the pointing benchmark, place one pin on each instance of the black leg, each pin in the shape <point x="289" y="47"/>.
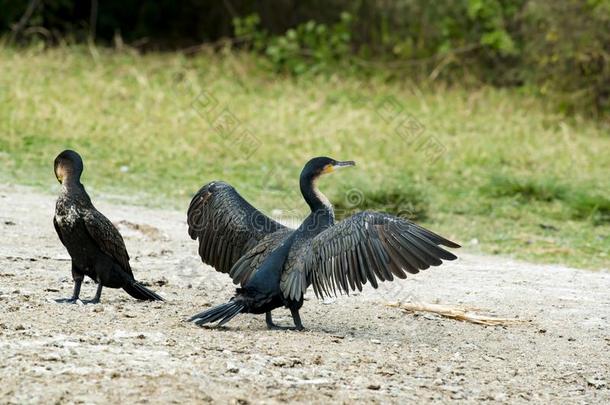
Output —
<point x="269" y="320"/>
<point x="78" y="281"/>
<point x="271" y="325"/>
<point x="297" y="319"/>
<point x="98" y="295"/>
<point x="295" y="316"/>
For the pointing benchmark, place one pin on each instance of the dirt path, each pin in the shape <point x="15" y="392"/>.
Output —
<point x="355" y="348"/>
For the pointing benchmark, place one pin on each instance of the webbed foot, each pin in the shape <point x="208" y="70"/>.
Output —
<point x="92" y="301"/>
<point x="72" y="300"/>
<point x="273" y="326"/>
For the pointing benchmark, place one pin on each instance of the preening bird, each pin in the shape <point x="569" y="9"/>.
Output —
<point x="94" y="244"/>
<point x="275" y="265"/>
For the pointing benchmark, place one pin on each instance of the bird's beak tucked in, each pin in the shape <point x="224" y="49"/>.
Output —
<point x="59" y="173"/>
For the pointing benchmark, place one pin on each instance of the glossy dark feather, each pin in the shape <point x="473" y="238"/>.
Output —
<point x="58" y="231"/>
<point x="226" y="225"/>
<point x="107" y="237"/>
<point x="370" y="246"/>
<point x="247" y="265"/>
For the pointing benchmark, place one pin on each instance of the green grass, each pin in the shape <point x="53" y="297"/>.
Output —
<point x="490" y="168"/>
<point x="580" y="202"/>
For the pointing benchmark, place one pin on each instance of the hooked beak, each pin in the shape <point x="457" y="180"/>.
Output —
<point x="346" y="163"/>
<point x="339" y="165"/>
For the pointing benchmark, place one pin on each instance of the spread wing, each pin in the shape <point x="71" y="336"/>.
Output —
<point x="107" y="237"/>
<point x="226" y="225"/>
<point x="371" y="246"/>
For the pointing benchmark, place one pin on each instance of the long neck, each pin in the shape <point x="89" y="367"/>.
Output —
<point x="314" y="198"/>
<point x="72" y="185"/>
<point x="71" y="181"/>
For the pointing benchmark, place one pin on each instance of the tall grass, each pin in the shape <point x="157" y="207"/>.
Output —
<point x="146" y="129"/>
<point x="581" y="202"/>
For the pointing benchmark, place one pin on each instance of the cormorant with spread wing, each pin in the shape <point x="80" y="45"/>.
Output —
<point x="275" y="265"/>
<point x="94" y="244"/>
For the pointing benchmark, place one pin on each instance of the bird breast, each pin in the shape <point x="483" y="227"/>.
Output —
<point x="67" y="217"/>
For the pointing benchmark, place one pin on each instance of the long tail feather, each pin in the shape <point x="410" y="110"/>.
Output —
<point x="140" y="292"/>
<point x="223" y="313"/>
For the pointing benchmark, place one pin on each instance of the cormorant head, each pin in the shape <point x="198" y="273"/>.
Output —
<point x="68" y="165"/>
<point x="323" y="165"/>
<point x="315" y="168"/>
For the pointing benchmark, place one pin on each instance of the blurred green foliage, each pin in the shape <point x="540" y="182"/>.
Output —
<point x="582" y="202"/>
<point x="511" y="177"/>
<point x="558" y="49"/>
<point x="408" y="201"/>
<point x="310" y="47"/>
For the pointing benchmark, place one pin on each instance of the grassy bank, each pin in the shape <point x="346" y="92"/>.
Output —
<point x="490" y="168"/>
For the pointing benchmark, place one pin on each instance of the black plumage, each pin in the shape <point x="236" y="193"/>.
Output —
<point x="94" y="244"/>
<point x="275" y="265"/>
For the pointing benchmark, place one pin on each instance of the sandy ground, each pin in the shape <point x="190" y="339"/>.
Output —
<point x="354" y="348"/>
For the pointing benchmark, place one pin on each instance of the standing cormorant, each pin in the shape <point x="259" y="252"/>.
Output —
<point x="94" y="244"/>
<point x="275" y="265"/>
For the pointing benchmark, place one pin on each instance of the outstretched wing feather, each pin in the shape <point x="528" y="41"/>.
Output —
<point x="226" y="225"/>
<point x="371" y="247"/>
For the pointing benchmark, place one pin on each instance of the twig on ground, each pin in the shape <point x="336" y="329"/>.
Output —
<point x="459" y="313"/>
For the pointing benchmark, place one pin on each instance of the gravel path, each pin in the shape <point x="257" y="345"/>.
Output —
<point x="354" y="348"/>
